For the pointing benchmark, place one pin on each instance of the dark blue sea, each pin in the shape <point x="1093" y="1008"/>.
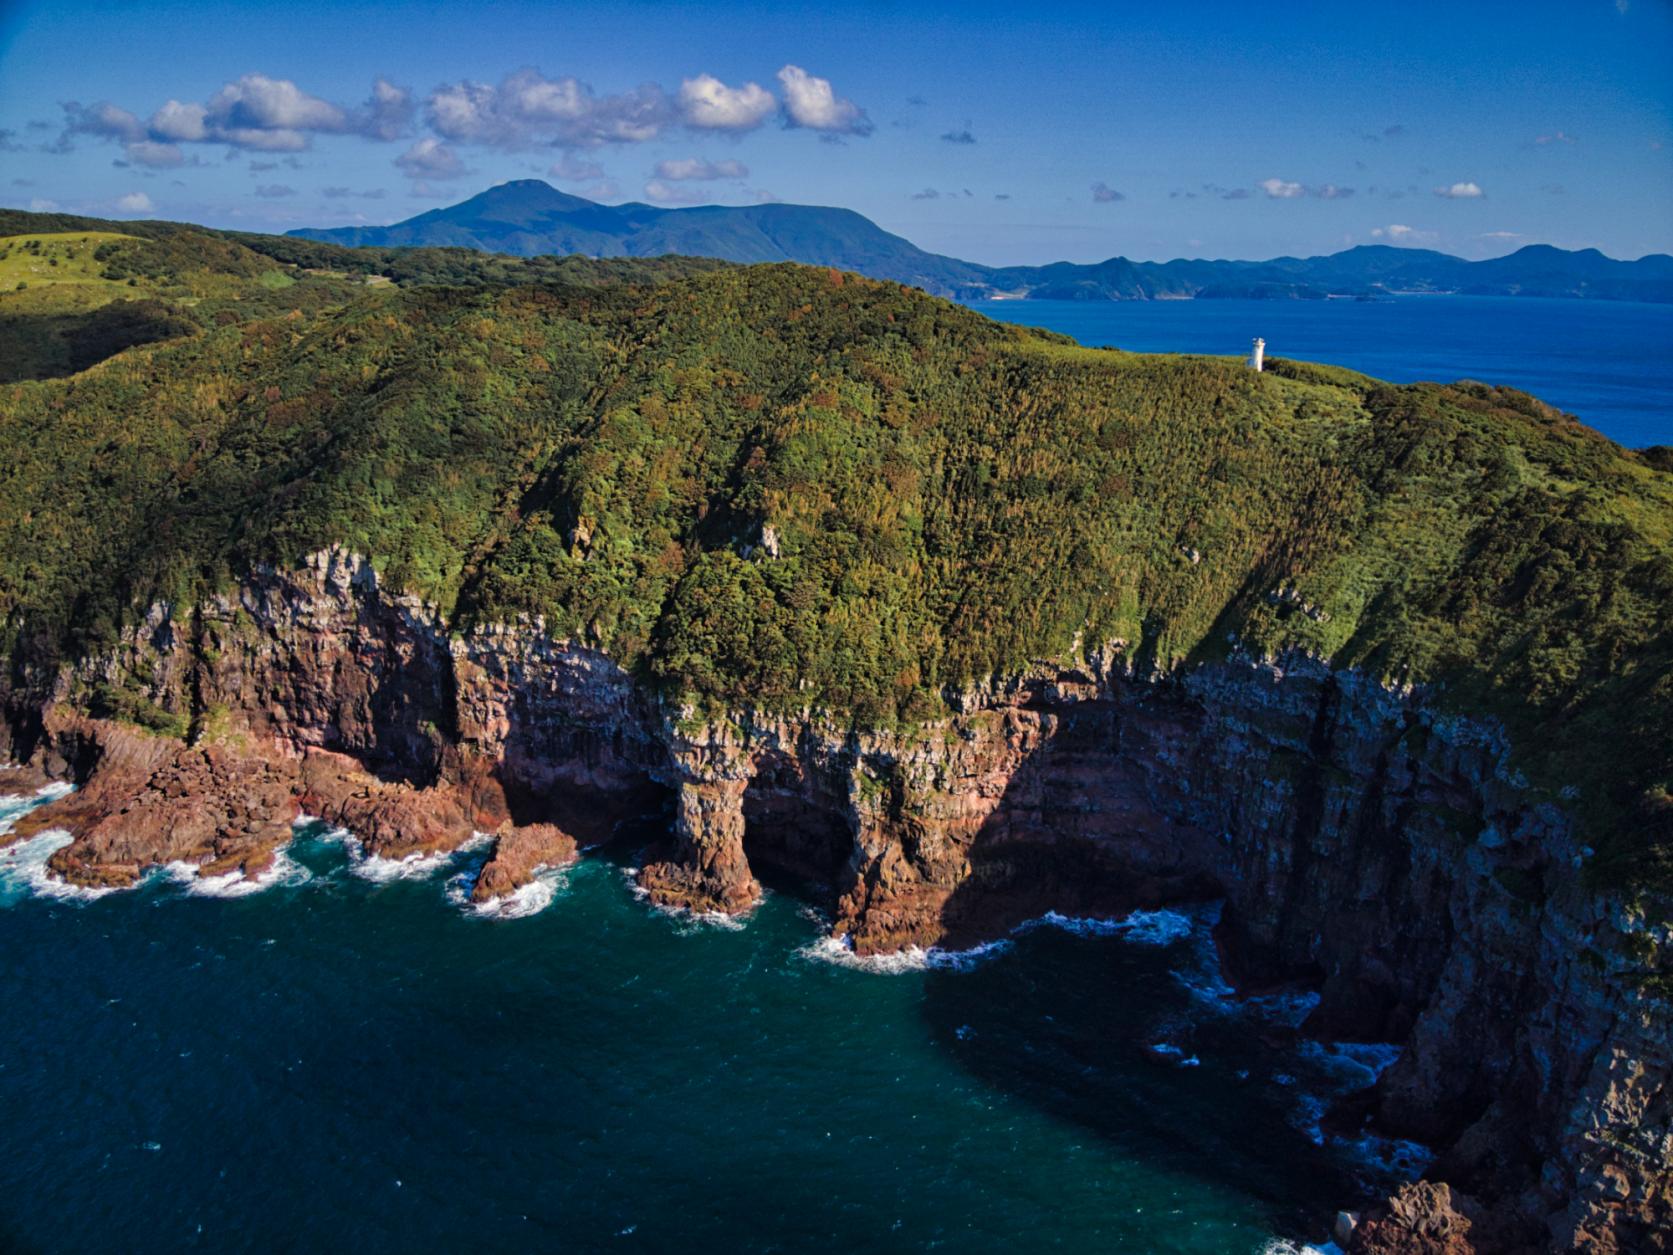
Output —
<point x="350" y="1058"/>
<point x="1609" y="363"/>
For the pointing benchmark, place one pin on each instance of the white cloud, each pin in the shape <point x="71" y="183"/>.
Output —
<point x="708" y="104"/>
<point x="135" y="203"/>
<point x="1399" y="233"/>
<point x="42" y="206"/>
<point x="811" y="101"/>
<point x="1104" y="194"/>
<point x="662" y="193"/>
<point x="1330" y="191"/>
<point x="695" y="169"/>
<point x="103" y="121"/>
<point x="1555" y="137"/>
<point x="525" y="109"/>
<point x="1460" y="191"/>
<point x="178" y="122"/>
<point x="253" y="111"/>
<point x="254" y="102"/>
<point x="387" y="113"/>
<point x="1278" y="189"/>
<point x="429" y="158"/>
<point x="528" y="108"/>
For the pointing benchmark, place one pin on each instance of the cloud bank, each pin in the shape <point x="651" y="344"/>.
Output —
<point x="525" y="109"/>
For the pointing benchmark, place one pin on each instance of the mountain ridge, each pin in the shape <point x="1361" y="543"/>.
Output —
<point x="528" y="217"/>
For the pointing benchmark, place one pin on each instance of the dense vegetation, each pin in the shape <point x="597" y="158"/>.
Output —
<point x="789" y="487"/>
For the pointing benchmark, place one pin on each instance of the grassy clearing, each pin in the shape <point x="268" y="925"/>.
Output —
<point x="58" y="259"/>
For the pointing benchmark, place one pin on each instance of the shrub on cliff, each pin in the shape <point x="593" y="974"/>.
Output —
<point x="950" y="498"/>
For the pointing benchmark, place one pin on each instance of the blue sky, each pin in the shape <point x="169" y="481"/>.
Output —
<point x="990" y="132"/>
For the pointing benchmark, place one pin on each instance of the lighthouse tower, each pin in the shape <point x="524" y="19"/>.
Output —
<point x="1257" y="354"/>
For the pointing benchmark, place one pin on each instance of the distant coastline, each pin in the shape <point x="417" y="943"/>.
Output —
<point x="528" y="218"/>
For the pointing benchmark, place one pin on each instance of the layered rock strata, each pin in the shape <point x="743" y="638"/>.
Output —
<point x="1363" y="839"/>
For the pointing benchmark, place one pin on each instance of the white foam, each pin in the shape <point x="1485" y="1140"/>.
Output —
<point x="1158" y="928"/>
<point x="14" y="805"/>
<point x="840" y="951"/>
<point x="283" y="870"/>
<point x="1288" y="1246"/>
<point x="520" y="903"/>
<point x="381" y="870"/>
<point x="1144" y="928"/>
<point x="23" y="870"/>
<point x="685" y="915"/>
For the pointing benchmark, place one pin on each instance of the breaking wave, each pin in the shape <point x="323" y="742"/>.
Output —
<point x="23" y="870"/>
<point x="284" y="870"/>
<point x="1145" y="928"/>
<point x="689" y="919"/>
<point x="840" y="951"/>
<point x="23" y="865"/>
<point x="520" y="903"/>
<point x="382" y="870"/>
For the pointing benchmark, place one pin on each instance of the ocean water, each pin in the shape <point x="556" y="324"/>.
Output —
<point x="1610" y="363"/>
<point x="344" y="1061"/>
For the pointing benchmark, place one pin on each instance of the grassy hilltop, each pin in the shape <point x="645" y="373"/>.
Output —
<point x="621" y="447"/>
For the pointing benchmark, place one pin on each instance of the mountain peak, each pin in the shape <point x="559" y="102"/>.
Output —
<point x="528" y="217"/>
<point x="524" y="196"/>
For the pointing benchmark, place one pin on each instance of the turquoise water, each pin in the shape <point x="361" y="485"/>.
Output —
<point x="341" y="1063"/>
<point x="1610" y="363"/>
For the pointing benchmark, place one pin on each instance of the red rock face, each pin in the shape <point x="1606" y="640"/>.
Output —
<point x="518" y="854"/>
<point x="1358" y="838"/>
<point x="154" y="800"/>
<point x="1430" y="1219"/>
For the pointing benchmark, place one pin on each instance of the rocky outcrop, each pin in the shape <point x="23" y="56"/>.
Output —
<point x="519" y="853"/>
<point x="1426" y="1218"/>
<point x="151" y="799"/>
<point x="1362" y="838"/>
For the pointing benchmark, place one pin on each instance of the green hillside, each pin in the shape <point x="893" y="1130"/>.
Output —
<point x="948" y="497"/>
<point x="55" y="258"/>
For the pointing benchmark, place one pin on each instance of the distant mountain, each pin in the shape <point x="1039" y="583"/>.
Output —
<point x="527" y="218"/>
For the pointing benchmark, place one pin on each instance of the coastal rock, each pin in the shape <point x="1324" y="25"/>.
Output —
<point x="1363" y="839"/>
<point x="706" y="869"/>
<point x="149" y="799"/>
<point x="518" y="854"/>
<point x="1430" y="1219"/>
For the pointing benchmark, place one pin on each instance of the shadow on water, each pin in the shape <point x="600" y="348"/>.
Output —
<point x="1104" y="1034"/>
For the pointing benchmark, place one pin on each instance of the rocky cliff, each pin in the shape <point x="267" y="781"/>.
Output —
<point x="1363" y="839"/>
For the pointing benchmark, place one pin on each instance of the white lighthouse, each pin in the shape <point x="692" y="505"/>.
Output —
<point x="1257" y="354"/>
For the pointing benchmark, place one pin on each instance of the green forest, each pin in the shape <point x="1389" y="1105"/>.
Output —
<point x="787" y="487"/>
